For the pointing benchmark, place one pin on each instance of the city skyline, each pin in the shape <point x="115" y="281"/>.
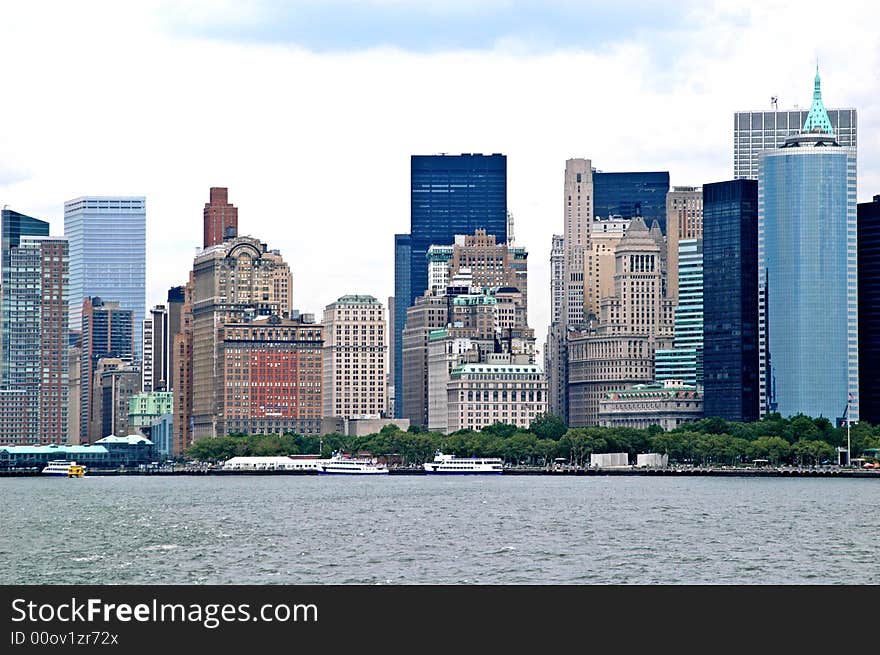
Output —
<point x="356" y="101"/>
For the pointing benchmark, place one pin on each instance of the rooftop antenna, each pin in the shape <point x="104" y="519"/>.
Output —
<point x="774" y="100"/>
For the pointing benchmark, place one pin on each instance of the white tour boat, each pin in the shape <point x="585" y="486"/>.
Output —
<point x="64" y="468"/>
<point x="340" y="464"/>
<point x="450" y="464"/>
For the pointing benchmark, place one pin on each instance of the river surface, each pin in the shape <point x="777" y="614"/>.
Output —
<point x="435" y="530"/>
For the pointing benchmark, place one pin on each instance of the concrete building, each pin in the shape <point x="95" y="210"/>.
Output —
<point x="107" y="332"/>
<point x="182" y="371"/>
<point x="74" y="394"/>
<point x="632" y="325"/>
<point x="107" y="236"/>
<point x="807" y="246"/>
<point x="427" y="314"/>
<point x="156" y="350"/>
<point x="144" y="408"/>
<point x="557" y="277"/>
<point x="389" y="375"/>
<point x="269" y="376"/>
<point x="35" y="353"/>
<point x="234" y="280"/>
<point x="115" y="382"/>
<point x="500" y="390"/>
<point x="175" y="304"/>
<point x="668" y="404"/>
<point x="360" y="427"/>
<point x="869" y="310"/>
<point x="354" y="358"/>
<point x="220" y="218"/>
<point x="13" y="417"/>
<point x="684" y="220"/>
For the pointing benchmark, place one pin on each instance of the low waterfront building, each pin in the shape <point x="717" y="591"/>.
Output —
<point x="609" y="460"/>
<point x="668" y="404"/>
<point x="360" y="426"/>
<point x="107" y="453"/>
<point x="652" y="460"/>
<point x="481" y="394"/>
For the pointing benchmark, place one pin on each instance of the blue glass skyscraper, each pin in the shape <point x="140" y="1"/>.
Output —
<point x="108" y="258"/>
<point x="730" y="300"/>
<point x="449" y="195"/>
<point x="808" y="248"/>
<point x="632" y="194"/>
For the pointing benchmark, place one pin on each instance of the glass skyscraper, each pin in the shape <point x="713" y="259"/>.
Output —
<point x="685" y="360"/>
<point x="807" y="246"/>
<point x="631" y="194"/>
<point x="107" y="237"/>
<point x="730" y="300"/>
<point x="449" y="195"/>
<point x="869" y="310"/>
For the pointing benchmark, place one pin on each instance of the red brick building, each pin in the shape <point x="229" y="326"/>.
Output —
<point x="220" y="216"/>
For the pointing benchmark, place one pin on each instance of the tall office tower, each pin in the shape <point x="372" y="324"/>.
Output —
<point x="869" y="310"/>
<point x="156" y="349"/>
<point x="807" y="245"/>
<point x="13" y="226"/>
<point x="74" y="384"/>
<point x="684" y="220"/>
<point x="449" y="195"/>
<point x="35" y="306"/>
<point x="221" y="218"/>
<point x="684" y="362"/>
<point x="107" y="332"/>
<point x="182" y="368"/>
<point x="428" y="313"/>
<point x="354" y="358"/>
<point x="578" y="203"/>
<point x="754" y="131"/>
<point x="633" y="323"/>
<point x="402" y="265"/>
<point x="632" y="194"/>
<point x="389" y="372"/>
<point x="108" y="255"/>
<point x="234" y="280"/>
<point x="176" y="298"/>
<point x="557" y="277"/>
<point x="730" y="300"/>
<point x="114" y="383"/>
<point x="269" y="372"/>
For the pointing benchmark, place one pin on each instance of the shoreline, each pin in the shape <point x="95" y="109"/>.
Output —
<point x="578" y="472"/>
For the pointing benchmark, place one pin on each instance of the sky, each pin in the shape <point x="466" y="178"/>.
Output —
<point x="309" y="111"/>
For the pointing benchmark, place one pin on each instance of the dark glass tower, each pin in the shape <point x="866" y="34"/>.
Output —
<point x="632" y="194"/>
<point x="869" y="310"/>
<point x="730" y="300"/>
<point x="449" y="195"/>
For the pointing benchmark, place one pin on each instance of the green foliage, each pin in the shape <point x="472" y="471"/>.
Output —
<point x="548" y="426"/>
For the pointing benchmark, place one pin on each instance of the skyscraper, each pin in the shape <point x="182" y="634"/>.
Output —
<point x="107" y="332"/>
<point x="684" y="220"/>
<point x="807" y="244"/>
<point x="13" y="226"/>
<point x="730" y="300"/>
<point x="631" y="194"/>
<point x="221" y="218"/>
<point x="107" y="237"/>
<point x="157" y="346"/>
<point x="869" y="310"/>
<point x="35" y="308"/>
<point x="684" y="361"/>
<point x="449" y="195"/>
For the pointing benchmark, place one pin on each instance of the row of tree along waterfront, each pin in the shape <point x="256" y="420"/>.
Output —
<point x="799" y="440"/>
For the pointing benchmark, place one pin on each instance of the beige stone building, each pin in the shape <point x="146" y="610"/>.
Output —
<point x="668" y="404"/>
<point x="684" y="220"/>
<point x="619" y="351"/>
<point x="232" y="281"/>
<point x="354" y="358"/>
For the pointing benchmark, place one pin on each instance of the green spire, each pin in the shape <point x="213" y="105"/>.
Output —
<point x="817" y="119"/>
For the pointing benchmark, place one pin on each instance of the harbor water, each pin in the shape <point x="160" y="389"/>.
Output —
<point x="438" y="530"/>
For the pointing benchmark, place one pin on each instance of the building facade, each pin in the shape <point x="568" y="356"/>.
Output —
<point x="684" y="220"/>
<point x="730" y="300"/>
<point x="354" y="357"/>
<point x="481" y="394"/>
<point x="269" y="377"/>
<point x="632" y="194"/>
<point x="156" y="350"/>
<point x="669" y="404"/>
<point x="220" y="218"/>
<point x="685" y="360"/>
<point x="807" y="244"/>
<point x="869" y="310"/>
<point x="108" y="258"/>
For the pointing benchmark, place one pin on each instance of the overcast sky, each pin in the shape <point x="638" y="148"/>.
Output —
<point x="309" y="111"/>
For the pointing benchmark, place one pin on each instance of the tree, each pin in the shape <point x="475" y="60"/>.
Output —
<point x="548" y="426"/>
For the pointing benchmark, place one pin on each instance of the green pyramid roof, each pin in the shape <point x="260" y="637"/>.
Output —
<point x="817" y="119"/>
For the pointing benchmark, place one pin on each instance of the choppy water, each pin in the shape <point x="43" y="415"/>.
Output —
<point x="430" y="530"/>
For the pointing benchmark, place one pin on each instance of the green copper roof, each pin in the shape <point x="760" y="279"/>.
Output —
<point x="818" y="119"/>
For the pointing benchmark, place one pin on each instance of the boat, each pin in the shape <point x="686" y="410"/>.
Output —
<point x="345" y="465"/>
<point x="449" y="464"/>
<point x="64" y="468"/>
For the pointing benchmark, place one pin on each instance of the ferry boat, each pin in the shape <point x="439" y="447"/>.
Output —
<point x="62" y="467"/>
<point x="342" y="465"/>
<point x="449" y="464"/>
